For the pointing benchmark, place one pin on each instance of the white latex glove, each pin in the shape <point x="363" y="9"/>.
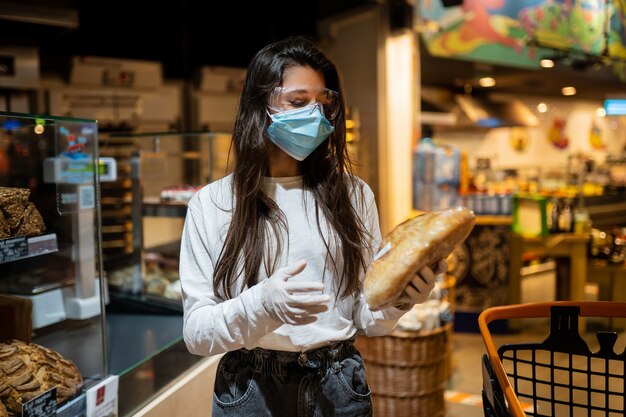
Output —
<point x="293" y="302"/>
<point x="422" y="284"/>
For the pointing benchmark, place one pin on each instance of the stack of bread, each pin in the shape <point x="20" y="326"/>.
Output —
<point x="18" y="216"/>
<point x="27" y="370"/>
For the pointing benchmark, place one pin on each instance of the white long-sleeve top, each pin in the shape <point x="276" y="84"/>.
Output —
<point x="213" y="325"/>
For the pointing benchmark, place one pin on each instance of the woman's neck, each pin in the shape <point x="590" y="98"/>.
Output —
<point x="282" y="165"/>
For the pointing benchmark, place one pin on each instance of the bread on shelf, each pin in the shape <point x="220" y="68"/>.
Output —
<point x="18" y="216"/>
<point x="27" y="370"/>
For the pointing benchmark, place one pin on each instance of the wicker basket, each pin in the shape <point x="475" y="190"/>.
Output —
<point x="407" y="371"/>
<point x="425" y="405"/>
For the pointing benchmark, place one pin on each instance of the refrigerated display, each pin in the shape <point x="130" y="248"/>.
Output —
<point x="143" y="210"/>
<point x="52" y="291"/>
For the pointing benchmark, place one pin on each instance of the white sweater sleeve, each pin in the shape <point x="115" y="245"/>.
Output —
<point x="373" y="323"/>
<point x="211" y="325"/>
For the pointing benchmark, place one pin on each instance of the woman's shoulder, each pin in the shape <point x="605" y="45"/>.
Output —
<point x="216" y="191"/>
<point x="359" y="186"/>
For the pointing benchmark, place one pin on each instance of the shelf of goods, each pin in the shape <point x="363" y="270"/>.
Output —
<point x="159" y="172"/>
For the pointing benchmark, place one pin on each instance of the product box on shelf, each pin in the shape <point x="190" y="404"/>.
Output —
<point x="530" y="215"/>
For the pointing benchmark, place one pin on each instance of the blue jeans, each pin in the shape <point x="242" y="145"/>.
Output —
<point x="329" y="381"/>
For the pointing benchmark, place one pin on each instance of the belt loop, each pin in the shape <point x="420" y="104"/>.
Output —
<point x="333" y="353"/>
<point x="260" y="361"/>
<point x="303" y="359"/>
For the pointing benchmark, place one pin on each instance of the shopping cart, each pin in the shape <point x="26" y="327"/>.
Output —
<point x="560" y="376"/>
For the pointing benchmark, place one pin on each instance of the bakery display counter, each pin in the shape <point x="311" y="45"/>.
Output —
<point x="155" y="207"/>
<point x="50" y="287"/>
<point x="145" y="350"/>
<point x="52" y="260"/>
<point x="162" y="171"/>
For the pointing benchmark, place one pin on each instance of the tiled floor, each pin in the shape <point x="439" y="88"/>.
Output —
<point x="463" y="395"/>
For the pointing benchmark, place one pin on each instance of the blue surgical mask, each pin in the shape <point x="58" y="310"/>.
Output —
<point x="299" y="132"/>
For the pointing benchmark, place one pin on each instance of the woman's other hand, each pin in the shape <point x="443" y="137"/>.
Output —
<point x="419" y="288"/>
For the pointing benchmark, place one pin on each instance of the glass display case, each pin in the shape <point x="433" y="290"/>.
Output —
<point x="51" y="292"/>
<point x="143" y="210"/>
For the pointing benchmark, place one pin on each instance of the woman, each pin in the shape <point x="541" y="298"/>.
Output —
<point x="273" y="255"/>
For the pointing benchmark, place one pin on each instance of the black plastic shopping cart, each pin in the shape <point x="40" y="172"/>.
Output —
<point x="560" y="376"/>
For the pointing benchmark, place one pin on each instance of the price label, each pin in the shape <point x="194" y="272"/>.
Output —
<point x="44" y="405"/>
<point x="13" y="248"/>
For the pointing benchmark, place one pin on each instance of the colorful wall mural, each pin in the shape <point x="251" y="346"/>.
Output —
<point x="521" y="32"/>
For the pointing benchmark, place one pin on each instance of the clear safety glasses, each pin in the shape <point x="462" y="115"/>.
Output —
<point x="291" y="98"/>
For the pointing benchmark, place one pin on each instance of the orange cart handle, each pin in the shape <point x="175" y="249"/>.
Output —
<point x="534" y="310"/>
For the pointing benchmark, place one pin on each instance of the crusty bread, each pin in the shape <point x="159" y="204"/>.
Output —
<point x="18" y="216"/>
<point x="5" y="231"/>
<point x="409" y="247"/>
<point x="28" y="370"/>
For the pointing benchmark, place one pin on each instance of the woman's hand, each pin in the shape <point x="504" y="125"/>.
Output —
<point x="290" y="301"/>
<point x="422" y="284"/>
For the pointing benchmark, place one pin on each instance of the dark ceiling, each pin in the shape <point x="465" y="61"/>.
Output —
<point x="183" y="35"/>
<point x="190" y="34"/>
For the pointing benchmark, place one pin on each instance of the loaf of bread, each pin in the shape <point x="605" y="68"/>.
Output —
<point x="32" y="223"/>
<point x="18" y="216"/>
<point x="409" y="247"/>
<point x="10" y="195"/>
<point x="5" y="230"/>
<point x="28" y="370"/>
<point x="3" y="410"/>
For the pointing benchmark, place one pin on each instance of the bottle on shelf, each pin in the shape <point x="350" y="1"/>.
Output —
<point x="554" y="212"/>
<point x="582" y="222"/>
<point x="566" y="217"/>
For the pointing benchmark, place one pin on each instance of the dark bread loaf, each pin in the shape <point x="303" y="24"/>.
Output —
<point x="32" y="222"/>
<point x="5" y="231"/>
<point x="409" y="247"/>
<point x="18" y="216"/>
<point x="10" y="195"/>
<point x="28" y="370"/>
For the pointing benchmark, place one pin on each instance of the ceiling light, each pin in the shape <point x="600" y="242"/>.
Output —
<point x="546" y="63"/>
<point x="600" y="112"/>
<point x="487" y="82"/>
<point x="542" y="107"/>
<point x="426" y="26"/>
<point x="568" y="91"/>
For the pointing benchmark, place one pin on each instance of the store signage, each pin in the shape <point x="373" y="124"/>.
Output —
<point x="102" y="398"/>
<point x="615" y="106"/>
<point x="13" y="248"/>
<point x="44" y="405"/>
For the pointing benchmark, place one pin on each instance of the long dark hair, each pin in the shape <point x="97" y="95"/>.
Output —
<point x="326" y="172"/>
